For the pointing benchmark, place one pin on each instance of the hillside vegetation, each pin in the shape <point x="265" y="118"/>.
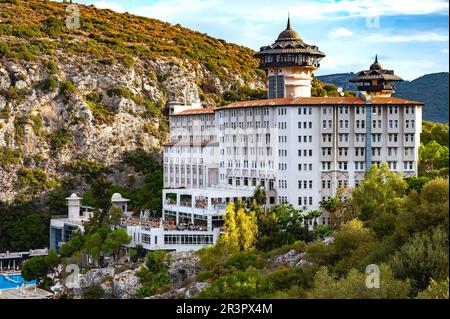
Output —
<point x="36" y="29"/>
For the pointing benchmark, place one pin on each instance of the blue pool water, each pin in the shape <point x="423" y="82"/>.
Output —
<point x="12" y="281"/>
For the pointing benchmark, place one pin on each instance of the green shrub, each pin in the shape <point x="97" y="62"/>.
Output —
<point x="52" y="67"/>
<point x="66" y="88"/>
<point x="60" y="138"/>
<point x="93" y="292"/>
<point x="125" y="93"/>
<point x="5" y="113"/>
<point x="239" y="285"/>
<point x="8" y="156"/>
<point x="3" y="49"/>
<point x="244" y="260"/>
<point x="33" y="181"/>
<point x="101" y="114"/>
<point x="88" y="169"/>
<point x="14" y="94"/>
<point x="49" y="84"/>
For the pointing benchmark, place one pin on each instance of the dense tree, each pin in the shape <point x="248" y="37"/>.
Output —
<point x="28" y="233"/>
<point x="352" y="242"/>
<point x="238" y="285"/>
<point x="37" y="268"/>
<point x="282" y="225"/>
<point x="436" y="290"/>
<point x="433" y="157"/>
<point x="260" y="196"/>
<point x="93" y="247"/>
<point x="115" y="214"/>
<point x="114" y="241"/>
<point x="154" y="275"/>
<point x="339" y="210"/>
<point x="353" y="286"/>
<point x="378" y="193"/>
<point x="424" y="211"/>
<point x="423" y="257"/>
<point x="434" y="132"/>
<point x="240" y="230"/>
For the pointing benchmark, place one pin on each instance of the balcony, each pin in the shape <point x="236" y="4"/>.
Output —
<point x="376" y="88"/>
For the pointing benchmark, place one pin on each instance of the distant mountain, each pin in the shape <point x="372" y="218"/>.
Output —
<point x="339" y="79"/>
<point x="432" y="89"/>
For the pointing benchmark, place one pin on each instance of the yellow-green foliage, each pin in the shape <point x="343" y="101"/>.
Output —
<point x="240" y="230"/>
<point x="353" y="286"/>
<point x="34" y="181"/>
<point x="8" y="157"/>
<point x="101" y="114"/>
<point x="60" y="138"/>
<point x="436" y="290"/>
<point x="88" y="169"/>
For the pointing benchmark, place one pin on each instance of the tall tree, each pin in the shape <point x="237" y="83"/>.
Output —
<point x="379" y="192"/>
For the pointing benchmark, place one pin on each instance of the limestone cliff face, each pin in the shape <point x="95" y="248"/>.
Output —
<point x="35" y="104"/>
<point x="100" y="89"/>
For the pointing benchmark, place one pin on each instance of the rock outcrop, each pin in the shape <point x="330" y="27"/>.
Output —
<point x="184" y="265"/>
<point x="115" y="285"/>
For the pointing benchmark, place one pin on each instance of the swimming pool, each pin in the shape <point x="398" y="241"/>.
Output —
<point x="12" y="281"/>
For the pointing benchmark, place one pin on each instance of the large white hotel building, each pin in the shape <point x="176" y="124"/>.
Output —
<point x="300" y="149"/>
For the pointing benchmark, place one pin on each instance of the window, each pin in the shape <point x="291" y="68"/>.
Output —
<point x="359" y="151"/>
<point x="392" y="151"/>
<point x="393" y="137"/>
<point x="326" y="151"/>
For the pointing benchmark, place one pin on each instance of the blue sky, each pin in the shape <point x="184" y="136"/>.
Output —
<point x="409" y="36"/>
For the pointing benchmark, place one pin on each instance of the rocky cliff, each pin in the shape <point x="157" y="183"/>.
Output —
<point x="93" y="93"/>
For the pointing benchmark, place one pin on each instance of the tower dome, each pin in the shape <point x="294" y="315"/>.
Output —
<point x="376" y="65"/>
<point x="376" y="81"/>
<point x="289" y="63"/>
<point x="289" y="34"/>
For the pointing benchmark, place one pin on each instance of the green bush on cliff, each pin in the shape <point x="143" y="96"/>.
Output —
<point x="8" y="157"/>
<point x="101" y="114"/>
<point x="50" y="84"/>
<point x="60" y="138"/>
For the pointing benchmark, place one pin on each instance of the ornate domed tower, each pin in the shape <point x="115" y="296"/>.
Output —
<point x="289" y="64"/>
<point x="376" y="81"/>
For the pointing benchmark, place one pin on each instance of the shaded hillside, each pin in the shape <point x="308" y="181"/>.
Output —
<point x="432" y="89"/>
<point x="339" y="79"/>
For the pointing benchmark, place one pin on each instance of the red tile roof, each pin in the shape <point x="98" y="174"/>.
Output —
<point x="346" y="100"/>
<point x="393" y="100"/>
<point x="195" y="111"/>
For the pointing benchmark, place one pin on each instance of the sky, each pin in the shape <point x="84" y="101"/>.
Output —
<point x="410" y="37"/>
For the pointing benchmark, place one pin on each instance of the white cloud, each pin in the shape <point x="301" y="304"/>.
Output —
<point x="418" y="37"/>
<point x="177" y="9"/>
<point x="109" y="5"/>
<point x="444" y="50"/>
<point x="263" y="11"/>
<point x="340" y="33"/>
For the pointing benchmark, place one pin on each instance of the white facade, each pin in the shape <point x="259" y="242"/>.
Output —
<point x="301" y="150"/>
<point x="152" y="234"/>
